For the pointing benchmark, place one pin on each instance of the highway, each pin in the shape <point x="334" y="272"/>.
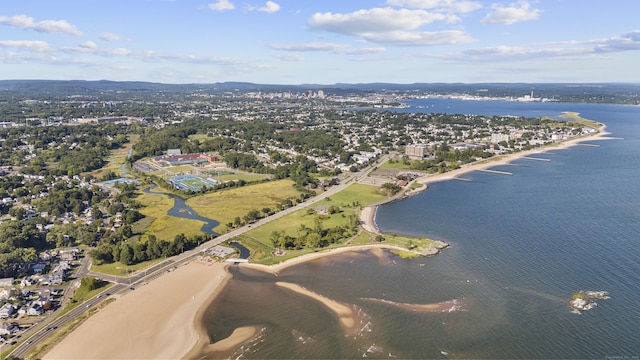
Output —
<point x="125" y="284"/>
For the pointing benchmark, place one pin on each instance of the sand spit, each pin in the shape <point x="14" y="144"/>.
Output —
<point x="225" y="347"/>
<point x="445" y="306"/>
<point x="346" y="314"/>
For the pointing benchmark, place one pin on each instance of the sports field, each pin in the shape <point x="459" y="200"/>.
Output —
<point x="189" y="182"/>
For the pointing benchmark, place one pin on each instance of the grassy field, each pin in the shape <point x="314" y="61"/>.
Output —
<point x="575" y="118"/>
<point x="258" y="240"/>
<point x="164" y="226"/>
<point x="245" y="177"/>
<point x="224" y="206"/>
<point x="395" y="165"/>
<point x="181" y="169"/>
<point x="199" y="137"/>
<point x="119" y="269"/>
<point x="116" y="158"/>
<point x="344" y="200"/>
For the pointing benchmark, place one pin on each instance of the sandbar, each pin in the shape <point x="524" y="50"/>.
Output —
<point x="346" y="315"/>
<point x="445" y="306"/>
<point x="155" y="321"/>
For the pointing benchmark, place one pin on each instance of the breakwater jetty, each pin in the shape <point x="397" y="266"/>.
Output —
<point x="534" y="158"/>
<point x="495" y="172"/>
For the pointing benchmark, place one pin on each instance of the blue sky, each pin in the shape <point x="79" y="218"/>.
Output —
<point x="321" y="41"/>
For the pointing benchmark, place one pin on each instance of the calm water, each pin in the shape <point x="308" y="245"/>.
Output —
<point x="521" y="245"/>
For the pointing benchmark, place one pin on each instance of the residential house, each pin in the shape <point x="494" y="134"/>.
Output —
<point x="7" y="310"/>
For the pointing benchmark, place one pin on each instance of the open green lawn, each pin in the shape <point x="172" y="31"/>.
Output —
<point x="395" y="165"/>
<point x="258" y="240"/>
<point x="223" y="206"/>
<point x="360" y="193"/>
<point x="575" y="118"/>
<point x="235" y="177"/>
<point x="199" y="137"/>
<point x="344" y="200"/>
<point x="181" y="169"/>
<point x="119" y="269"/>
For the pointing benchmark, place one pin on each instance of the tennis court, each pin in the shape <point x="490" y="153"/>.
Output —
<point x="189" y="182"/>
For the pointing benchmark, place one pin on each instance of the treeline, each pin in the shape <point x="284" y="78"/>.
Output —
<point x="316" y="237"/>
<point x="20" y="242"/>
<point x="133" y="252"/>
<point x="255" y="214"/>
<point x="76" y="200"/>
<point x="60" y="150"/>
<point x="240" y="137"/>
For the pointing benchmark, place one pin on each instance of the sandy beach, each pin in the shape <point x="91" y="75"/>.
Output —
<point x="274" y="269"/>
<point x="155" y="321"/>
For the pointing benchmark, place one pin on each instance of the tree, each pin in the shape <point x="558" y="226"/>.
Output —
<point x="126" y="254"/>
<point x="90" y="283"/>
<point x="18" y="212"/>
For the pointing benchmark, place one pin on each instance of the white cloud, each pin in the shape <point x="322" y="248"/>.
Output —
<point x="454" y="6"/>
<point x="48" y="26"/>
<point x="108" y="36"/>
<point x="39" y="46"/>
<point x="559" y="50"/>
<point x="391" y="26"/>
<point x="511" y="53"/>
<point x="376" y="20"/>
<point x="511" y="14"/>
<point x="625" y="42"/>
<point x="289" y="57"/>
<point x="270" y="7"/>
<point x="326" y="47"/>
<point x="408" y="38"/>
<point x="222" y="5"/>
<point x="88" y="45"/>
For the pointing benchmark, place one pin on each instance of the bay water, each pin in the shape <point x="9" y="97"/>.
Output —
<point x="521" y="245"/>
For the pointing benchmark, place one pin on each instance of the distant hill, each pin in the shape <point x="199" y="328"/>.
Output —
<point x="598" y="92"/>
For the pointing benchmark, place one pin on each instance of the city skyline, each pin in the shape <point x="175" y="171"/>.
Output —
<point x="327" y="42"/>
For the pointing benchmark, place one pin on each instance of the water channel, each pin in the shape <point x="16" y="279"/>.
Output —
<point x="180" y="209"/>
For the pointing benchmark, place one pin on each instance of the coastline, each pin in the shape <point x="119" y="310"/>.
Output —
<point x="153" y="321"/>
<point x="274" y="269"/>
<point x="368" y="214"/>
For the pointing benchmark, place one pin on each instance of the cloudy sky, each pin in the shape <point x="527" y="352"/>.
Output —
<point x="321" y="41"/>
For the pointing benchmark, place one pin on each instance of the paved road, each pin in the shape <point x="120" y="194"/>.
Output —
<point x="125" y="284"/>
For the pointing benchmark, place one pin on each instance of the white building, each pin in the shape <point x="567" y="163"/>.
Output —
<point x="497" y="138"/>
<point x="7" y="310"/>
<point x="416" y="152"/>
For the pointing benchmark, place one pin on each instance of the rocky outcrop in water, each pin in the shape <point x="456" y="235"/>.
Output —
<point x="584" y="300"/>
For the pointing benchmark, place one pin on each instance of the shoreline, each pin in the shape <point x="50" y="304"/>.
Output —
<point x="368" y="213"/>
<point x="275" y="268"/>
<point x="154" y="321"/>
